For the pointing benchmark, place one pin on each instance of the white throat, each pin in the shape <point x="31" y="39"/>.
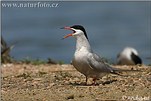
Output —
<point x="82" y="43"/>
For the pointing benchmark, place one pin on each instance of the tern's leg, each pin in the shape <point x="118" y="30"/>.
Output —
<point x="94" y="81"/>
<point x="86" y="79"/>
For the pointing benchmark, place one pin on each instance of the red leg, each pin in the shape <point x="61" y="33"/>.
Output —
<point x="94" y="81"/>
<point x="86" y="80"/>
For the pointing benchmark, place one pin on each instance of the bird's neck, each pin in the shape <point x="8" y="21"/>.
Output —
<point x="82" y="43"/>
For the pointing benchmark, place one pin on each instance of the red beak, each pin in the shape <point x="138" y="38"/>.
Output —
<point x="68" y="35"/>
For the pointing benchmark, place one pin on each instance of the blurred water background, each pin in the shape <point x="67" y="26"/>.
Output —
<point x="110" y="26"/>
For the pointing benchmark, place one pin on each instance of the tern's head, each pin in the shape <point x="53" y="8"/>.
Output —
<point x="78" y="30"/>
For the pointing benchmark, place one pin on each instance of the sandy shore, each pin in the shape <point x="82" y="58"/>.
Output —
<point x="26" y="82"/>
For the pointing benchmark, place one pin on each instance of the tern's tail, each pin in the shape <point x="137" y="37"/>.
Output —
<point x="117" y="71"/>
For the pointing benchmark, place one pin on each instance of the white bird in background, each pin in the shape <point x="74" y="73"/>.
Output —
<point x="85" y="60"/>
<point x="128" y="56"/>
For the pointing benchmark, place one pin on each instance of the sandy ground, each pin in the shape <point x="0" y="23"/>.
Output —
<point x="26" y="82"/>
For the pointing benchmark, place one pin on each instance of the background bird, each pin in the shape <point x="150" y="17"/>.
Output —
<point x="128" y="56"/>
<point x="5" y="51"/>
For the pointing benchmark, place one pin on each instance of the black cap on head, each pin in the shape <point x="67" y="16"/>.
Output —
<point x="80" y="28"/>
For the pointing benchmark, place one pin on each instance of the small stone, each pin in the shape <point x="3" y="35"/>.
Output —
<point x="70" y="97"/>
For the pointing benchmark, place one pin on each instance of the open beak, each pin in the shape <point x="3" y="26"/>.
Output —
<point x="68" y="35"/>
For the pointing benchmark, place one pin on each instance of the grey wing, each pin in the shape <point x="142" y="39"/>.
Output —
<point x="97" y="63"/>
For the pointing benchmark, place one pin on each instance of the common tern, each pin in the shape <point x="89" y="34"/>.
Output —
<point x="128" y="56"/>
<point x="85" y="60"/>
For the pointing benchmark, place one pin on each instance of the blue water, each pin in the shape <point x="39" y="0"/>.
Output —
<point x="110" y="26"/>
